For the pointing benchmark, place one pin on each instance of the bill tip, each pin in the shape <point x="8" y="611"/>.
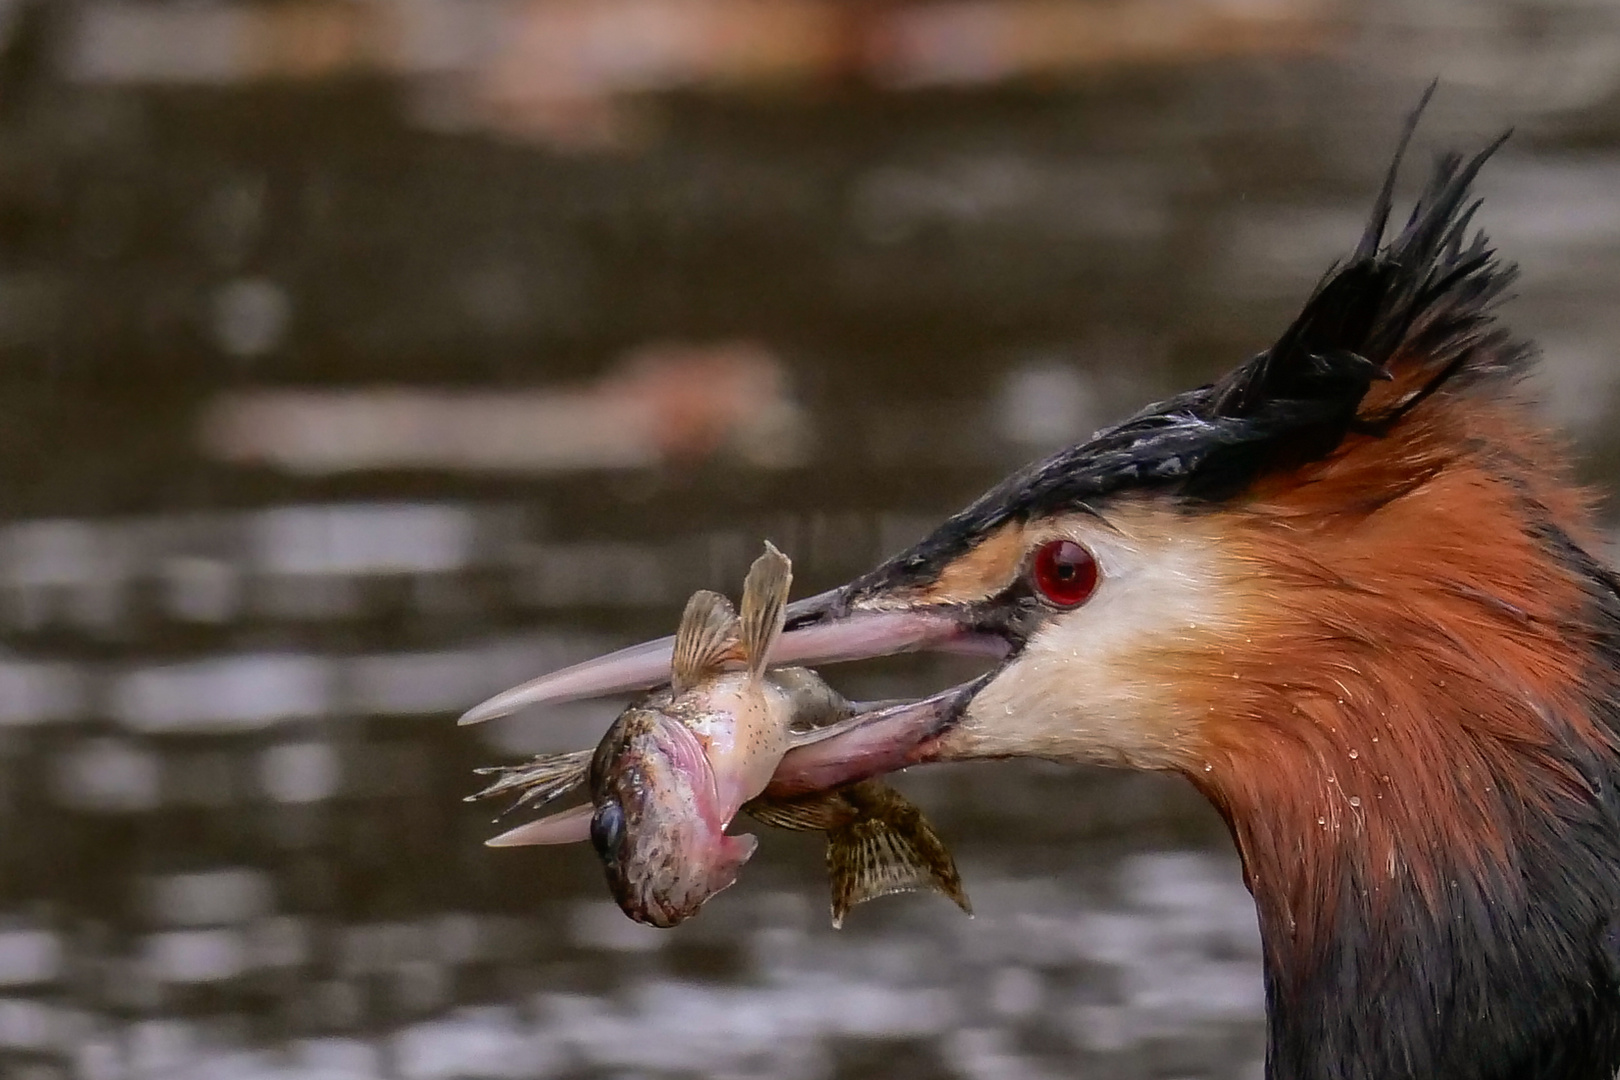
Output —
<point x="470" y="717"/>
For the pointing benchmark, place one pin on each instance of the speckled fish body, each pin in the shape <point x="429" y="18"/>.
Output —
<point x="668" y="779"/>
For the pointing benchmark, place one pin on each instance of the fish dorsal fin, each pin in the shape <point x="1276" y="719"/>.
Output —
<point x="764" y="606"/>
<point x="708" y="629"/>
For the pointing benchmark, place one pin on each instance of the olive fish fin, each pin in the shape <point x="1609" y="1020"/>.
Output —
<point x="823" y="811"/>
<point x="764" y="606"/>
<point x="811" y="702"/>
<point x="539" y="781"/>
<point x="707" y="631"/>
<point x="888" y="847"/>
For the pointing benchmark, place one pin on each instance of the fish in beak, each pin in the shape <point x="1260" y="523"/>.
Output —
<point x="674" y="769"/>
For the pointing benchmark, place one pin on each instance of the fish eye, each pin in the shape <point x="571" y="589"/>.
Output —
<point x="1064" y="573"/>
<point x="607" y="829"/>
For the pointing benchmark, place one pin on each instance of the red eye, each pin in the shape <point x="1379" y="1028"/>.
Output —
<point x="1064" y="573"/>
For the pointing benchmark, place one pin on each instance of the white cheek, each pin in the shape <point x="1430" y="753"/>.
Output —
<point x="1080" y="690"/>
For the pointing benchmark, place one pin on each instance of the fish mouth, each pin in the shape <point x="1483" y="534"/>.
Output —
<point x="671" y="894"/>
<point x="823" y="629"/>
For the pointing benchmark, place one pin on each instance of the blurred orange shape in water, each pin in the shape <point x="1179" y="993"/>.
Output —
<point x="984" y="41"/>
<point x="674" y="404"/>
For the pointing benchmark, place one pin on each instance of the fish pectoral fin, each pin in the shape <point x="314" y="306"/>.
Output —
<point x="823" y="811"/>
<point x="888" y="847"/>
<point x="546" y="777"/>
<point x="567" y="827"/>
<point x="707" y="632"/>
<point x="764" y="606"/>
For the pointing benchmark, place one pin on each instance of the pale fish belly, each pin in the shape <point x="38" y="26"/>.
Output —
<point x="744" y="729"/>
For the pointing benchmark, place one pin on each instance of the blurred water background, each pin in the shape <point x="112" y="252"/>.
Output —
<point x="362" y="357"/>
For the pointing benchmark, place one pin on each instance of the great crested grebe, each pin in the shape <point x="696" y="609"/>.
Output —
<point x="1351" y="592"/>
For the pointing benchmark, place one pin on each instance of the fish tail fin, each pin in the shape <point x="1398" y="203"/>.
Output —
<point x="539" y="781"/>
<point x="764" y="606"/>
<point x="887" y="846"/>
<point x="707" y="631"/>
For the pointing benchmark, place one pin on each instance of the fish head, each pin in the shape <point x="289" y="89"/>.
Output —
<point x="657" y="824"/>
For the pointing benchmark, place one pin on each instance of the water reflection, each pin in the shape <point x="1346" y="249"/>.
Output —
<point x="1152" y="961"/>
<point x="365" y="358"/>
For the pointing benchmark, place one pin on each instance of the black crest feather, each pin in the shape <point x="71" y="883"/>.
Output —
<point x="1417" y="308"/>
